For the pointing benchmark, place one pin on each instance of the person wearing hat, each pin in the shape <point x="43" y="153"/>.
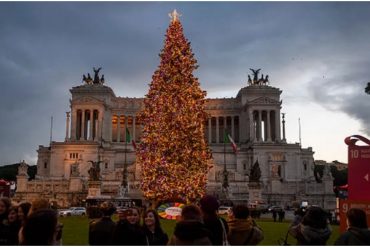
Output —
<point x="314" y="228"/>
<point x="216" y="225"/>
<point x="100" y="230"/>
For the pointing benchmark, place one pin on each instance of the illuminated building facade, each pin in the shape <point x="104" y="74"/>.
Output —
<point x="96" y="131"/>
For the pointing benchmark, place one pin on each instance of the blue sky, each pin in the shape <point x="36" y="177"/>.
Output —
<point x="318" y="53"/>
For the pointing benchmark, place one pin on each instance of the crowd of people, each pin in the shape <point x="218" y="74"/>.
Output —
<point x="37" y="224"/>
<point x="29" y="223"/>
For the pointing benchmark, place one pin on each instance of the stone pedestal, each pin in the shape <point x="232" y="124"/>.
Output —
<point x="94" y="189"/>
<point x="276" y="186"/>
<point x="255" y="192"/>
<point x="75" y="184"/>
<point x="22" y="183"/>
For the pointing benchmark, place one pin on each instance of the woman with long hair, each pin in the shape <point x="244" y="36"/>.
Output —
<point x="14" y="225"/>
<point x="128" y="230"/>
<point x="152" y="228"/>
<point x="23" y="210"/>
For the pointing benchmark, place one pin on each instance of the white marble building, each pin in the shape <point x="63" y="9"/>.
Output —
<point x="95" y="130"/>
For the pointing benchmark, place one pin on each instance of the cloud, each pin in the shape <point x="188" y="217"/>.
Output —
<point x="313" y="51"/>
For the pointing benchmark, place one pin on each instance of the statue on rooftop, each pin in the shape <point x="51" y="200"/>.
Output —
<point x="97" y="81"/>
<point x="255" y="75"/>
<point x="96" y="76"/>
<point x="256" y="80"/>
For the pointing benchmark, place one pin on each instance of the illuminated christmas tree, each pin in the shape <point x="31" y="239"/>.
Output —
<point x="173" y="152"/>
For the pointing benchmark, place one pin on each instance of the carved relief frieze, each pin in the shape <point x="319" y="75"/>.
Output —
<point x="86" y="100"/>
<point x="264" y="101"/>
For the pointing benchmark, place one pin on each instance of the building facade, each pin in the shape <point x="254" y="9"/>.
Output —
<point x="96" y="131"/>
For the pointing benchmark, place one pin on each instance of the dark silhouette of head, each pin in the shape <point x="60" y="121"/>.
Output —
<point x="191" y="212"/>
<point x="40" y="228"/>
<point x="315" y="217"/>
<point x="240" y="211"/>
<point x="209" y="204"/>
<point x="357" y="218"/>
<point x="107" y="209"/>
<point x="38" y="204"/>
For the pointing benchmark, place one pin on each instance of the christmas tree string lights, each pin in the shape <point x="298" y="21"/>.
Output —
<point x="173" y="153"/>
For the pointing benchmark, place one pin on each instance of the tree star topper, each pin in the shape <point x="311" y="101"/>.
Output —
<point x="174" y="15"/>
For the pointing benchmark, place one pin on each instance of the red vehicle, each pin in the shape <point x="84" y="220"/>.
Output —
<point x="4" y="188"/>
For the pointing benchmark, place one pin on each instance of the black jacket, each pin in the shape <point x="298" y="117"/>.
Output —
<point x="190" y="233"/>
<point x="156" y="238"/>
<point x="354" y="236"/>
<point x="100" y="231"/>
<point x="127" y="234"/>
<point x="216" y="231"/>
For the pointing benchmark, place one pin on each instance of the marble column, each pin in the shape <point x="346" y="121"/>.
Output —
<point x="232" y="128"/>
<point x="278" y="128"/>
<point x="101" y="125"/>
<point x="73" y="124"/>
<point x="210" y="130"/>
<point x="124" y="127"/>
<point x="217" y="130"/>
<point x="67" y="126"/>
<point x="133" y="127"/>
<point x="97" y="126"/>
<point x="259" y="127"/>
<point x="268" y="126"/>
<point x="82" y="137"/>
<point x="251" y="126"/>
<point x="224" y="130"/>
<point x="91" y="125"/>
<point x="118" y="128"/>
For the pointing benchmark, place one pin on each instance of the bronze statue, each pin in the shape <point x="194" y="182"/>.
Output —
<point x="96" y="76"/>
<point x="94" y="171"/>
<point x="249" y="80"/>
<point x="266" y="79"/>
<point x="255" y="75"/>
<point x="102" y="80"/>
<point x="261" y="80"/>
<point x="87" y="79"/>
<point x="255" y="173"/>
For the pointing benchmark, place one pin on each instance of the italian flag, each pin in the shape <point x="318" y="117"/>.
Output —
<point x="228" y="139"/>
<point x="128" y="138"/>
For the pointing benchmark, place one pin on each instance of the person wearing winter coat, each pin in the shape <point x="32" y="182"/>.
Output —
<point x="190" y="230"/>
<point x="40" y="228"/>
<point x="100" y="230"/>
<point x="357" y="232"/>
<point x="216" y="225"/>
<point x="314" y="228"/>
<point x="128" y="230"/>
<point x="242" y="228"/>
<point x="153" y="230"/>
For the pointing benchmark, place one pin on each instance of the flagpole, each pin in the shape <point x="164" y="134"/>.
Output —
<point x="225" y="182"/>
<point x="124" y="180"/>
